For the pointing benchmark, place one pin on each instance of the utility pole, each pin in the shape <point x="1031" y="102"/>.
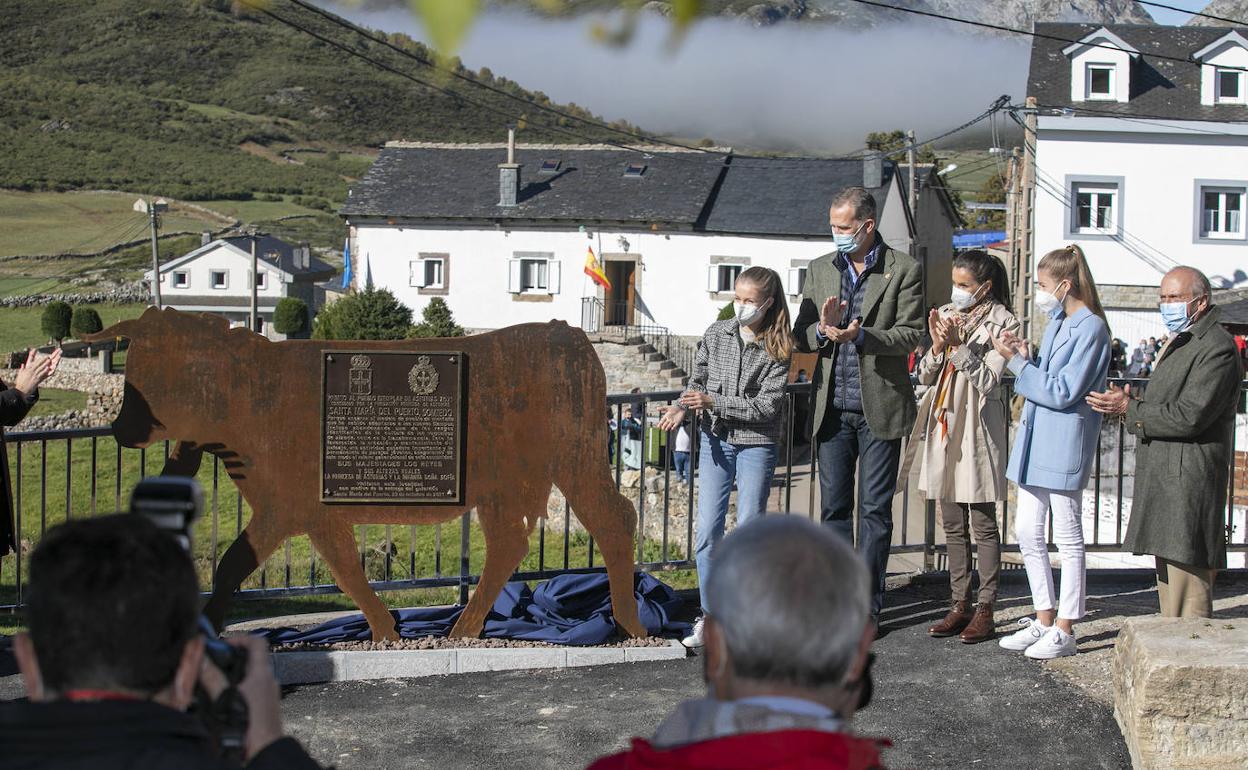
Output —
<point x="1028" y="194"/>
<point x="1013" y="184"/>
<point x="911" y="159"/>
<point x="255" y="316"/>
<point x="152" y="222"/>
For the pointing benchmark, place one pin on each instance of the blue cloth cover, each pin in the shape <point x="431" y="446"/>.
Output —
<point x="567" y="609"/>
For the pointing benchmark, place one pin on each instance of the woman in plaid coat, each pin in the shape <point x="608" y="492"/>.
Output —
<point x="737" y="387"/>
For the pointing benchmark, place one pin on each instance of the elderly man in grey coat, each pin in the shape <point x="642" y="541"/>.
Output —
<point x="1183" y="424"/>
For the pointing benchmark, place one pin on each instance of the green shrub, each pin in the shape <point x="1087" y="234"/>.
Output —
<point x="373" y="314"/>
<point x="290" y="316"/>
<point x="85" y="321"/>
<point x="726" y="312"/>
<point x="56" y="320"/>
<point x="436" y="321"/>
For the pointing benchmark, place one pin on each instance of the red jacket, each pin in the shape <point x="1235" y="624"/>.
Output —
<point x="784" y="749"/>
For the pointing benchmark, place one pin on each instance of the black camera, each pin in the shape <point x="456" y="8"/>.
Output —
<point x="173" y="503"/>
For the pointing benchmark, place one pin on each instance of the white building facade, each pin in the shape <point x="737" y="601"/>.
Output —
<point x="1142" y="162"/>
<point x="671" y="242"/>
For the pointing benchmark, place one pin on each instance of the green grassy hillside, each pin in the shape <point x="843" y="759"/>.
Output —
<point x="193" y="100"/>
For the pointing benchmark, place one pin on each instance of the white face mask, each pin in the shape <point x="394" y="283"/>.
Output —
<point x="1047" y="303"/>
<point x="748" y="313"/>
<point x="963" y="299"/>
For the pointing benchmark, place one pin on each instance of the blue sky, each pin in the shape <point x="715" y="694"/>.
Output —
<point x="1175" y="17"/>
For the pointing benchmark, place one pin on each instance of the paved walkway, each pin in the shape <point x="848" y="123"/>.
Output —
<point x="944" y="704"/>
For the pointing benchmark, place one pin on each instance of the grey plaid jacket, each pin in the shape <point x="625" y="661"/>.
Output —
<point x="747" y="386"/>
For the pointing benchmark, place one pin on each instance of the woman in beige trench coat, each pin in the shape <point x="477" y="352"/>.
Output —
<point x="960" y="435"/>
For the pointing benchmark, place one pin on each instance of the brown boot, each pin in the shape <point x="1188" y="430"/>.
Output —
<point x="959" y="615"/>
<point x="982" y="628"/>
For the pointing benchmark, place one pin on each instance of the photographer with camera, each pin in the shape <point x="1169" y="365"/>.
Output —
<point x="115" y="654"/>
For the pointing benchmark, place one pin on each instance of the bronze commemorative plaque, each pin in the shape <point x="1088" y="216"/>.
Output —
<point x="391" y="427"/>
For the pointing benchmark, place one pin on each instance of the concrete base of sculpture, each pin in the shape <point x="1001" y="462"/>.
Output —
<point x="311" y="667"/>
<point x="1181" y="693"/>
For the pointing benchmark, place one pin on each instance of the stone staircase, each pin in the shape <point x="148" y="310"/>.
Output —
<point x="634" y="363"/>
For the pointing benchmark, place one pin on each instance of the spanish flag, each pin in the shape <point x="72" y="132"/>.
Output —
<point x="593" y="268"/>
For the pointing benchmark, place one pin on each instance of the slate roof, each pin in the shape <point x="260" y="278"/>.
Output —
<point x="441" y="182"/>
<point x="784" y="196"/>
<point x="279" y="253"/>
<point x="1160" y="88"/>
<point x="709" y="192"/>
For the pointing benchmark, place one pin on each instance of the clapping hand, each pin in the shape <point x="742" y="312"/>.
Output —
<point x="1009" y="344"/>
<point x="830" y="316"/>
<point x="1113" y="401"/>
<point x="36" y="369"/>
<point x="672" y="417"/>
<point x="696" y="399"/>
<point x="944" y="331"/>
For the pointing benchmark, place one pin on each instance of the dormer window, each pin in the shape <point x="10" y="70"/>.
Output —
<point x="1222" y="76"/>
<point x="550" y="166"/>
<point x="1100" y="81"/>
<point x="634" y="169"/>
<point x="1229" y="86"/>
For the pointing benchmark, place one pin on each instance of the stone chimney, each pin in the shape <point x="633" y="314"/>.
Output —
<point x="873" y="170"/>
<point x="205" y="238"/>
<point x="509" y="174"/>
<point x="304" y="256"/>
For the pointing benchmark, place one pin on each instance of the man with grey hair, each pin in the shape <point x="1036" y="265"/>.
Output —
<point x="1183" y="424"/>
<point x="785" y="660"/>
<point x="862" y="313"/>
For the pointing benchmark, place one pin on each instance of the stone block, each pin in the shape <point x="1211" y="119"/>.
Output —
<point x="1181" y="693"/>
<point x="509" y="658"/>
<point x="673" y="651"/>
<point x="310" y="667"/>
<point x="594" y="656"/>
<point x="398" y="664"/>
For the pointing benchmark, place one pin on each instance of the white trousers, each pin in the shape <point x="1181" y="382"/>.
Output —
<point x="1034" y="506"/>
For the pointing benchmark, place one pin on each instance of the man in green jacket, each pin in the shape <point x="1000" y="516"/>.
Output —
<point x="1183" y="425"/>
<point x="862" y="312"/>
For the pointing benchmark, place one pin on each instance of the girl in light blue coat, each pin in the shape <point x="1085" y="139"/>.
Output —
<point x="1055" y="446"/>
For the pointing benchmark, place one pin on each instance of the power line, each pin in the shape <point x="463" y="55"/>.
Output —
<point x="1137" y="117"/>
<point x="1237" y="22"/>
<point x="1016" y="31"/>
<point x="353" y="27"/>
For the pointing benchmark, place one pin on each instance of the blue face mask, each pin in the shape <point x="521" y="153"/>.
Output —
<point x="847" y="243"/>
<point x="1174" y="314"/>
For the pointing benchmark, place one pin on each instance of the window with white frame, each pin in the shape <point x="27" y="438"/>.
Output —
<point x="722" y="278"/>
<point x="1222" y="212"/>
<point x="428" y="272"/>
<point x="1100" y="81"/>
<point x="219" y="279"/>
<point x="181" y="279"/>
<point x="532" y="273"/>
<point x="796" y="281"/>
<point x="262" y="281"/>
<point x="1095" y="209"/>
<point x="1228" y="86"/>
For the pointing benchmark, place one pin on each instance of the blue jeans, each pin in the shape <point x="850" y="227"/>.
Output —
<point x="719" y="464"/>
<point x="846" y="443"/>
<point x="682" y="465"/>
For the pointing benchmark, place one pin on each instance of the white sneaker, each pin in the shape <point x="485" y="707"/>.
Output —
<point x="1030" y="631"/>
<point x="1056" y="643"/>
<point x="694" y="639"/>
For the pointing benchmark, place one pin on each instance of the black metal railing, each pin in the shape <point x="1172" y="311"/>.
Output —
<point x="64" y="474"/>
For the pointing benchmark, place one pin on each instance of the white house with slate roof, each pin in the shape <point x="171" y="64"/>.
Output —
<point x="506" y="243"/>
<point x="1142" y="161"/>
<point x="216" y="278"/>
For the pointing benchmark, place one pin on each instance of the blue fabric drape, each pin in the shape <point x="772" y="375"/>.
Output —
<point x="567" y="609"/>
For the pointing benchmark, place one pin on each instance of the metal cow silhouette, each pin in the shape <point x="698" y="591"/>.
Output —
<point x="535" y="399"/>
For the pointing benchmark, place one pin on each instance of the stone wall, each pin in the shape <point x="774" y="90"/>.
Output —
<point x="104" y="394"/>
<point x="629" y="366"/>
<point x="117" y="295"/>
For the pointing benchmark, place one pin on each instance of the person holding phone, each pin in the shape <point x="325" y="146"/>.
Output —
<point x="1055" y="446"/>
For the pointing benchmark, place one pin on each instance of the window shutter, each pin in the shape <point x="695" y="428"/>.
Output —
<point x="712" y="278"/>
<point x="417" y="269"/>
<point x="513" y="282"/>
<point x="795" y="281"/>
<point x="553" y="277"/>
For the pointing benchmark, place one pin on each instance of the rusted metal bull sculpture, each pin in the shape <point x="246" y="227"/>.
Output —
<point x="535" y="399"/>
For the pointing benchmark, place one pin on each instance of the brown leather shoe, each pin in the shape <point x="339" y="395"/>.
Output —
<point x="981" y="628"/>
<point x="957" y="619"/>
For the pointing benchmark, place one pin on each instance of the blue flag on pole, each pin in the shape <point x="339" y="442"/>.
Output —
<point x="346" y="263"/>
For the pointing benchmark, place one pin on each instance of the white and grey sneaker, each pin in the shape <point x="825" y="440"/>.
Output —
<point x="1055" y="643"/>
<point x="1029" y="632"/>
<point x="694" y="639"/>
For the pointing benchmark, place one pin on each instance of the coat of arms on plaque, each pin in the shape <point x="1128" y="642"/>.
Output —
<point x="361" y="376"/>
<point x="423" y="378"/>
